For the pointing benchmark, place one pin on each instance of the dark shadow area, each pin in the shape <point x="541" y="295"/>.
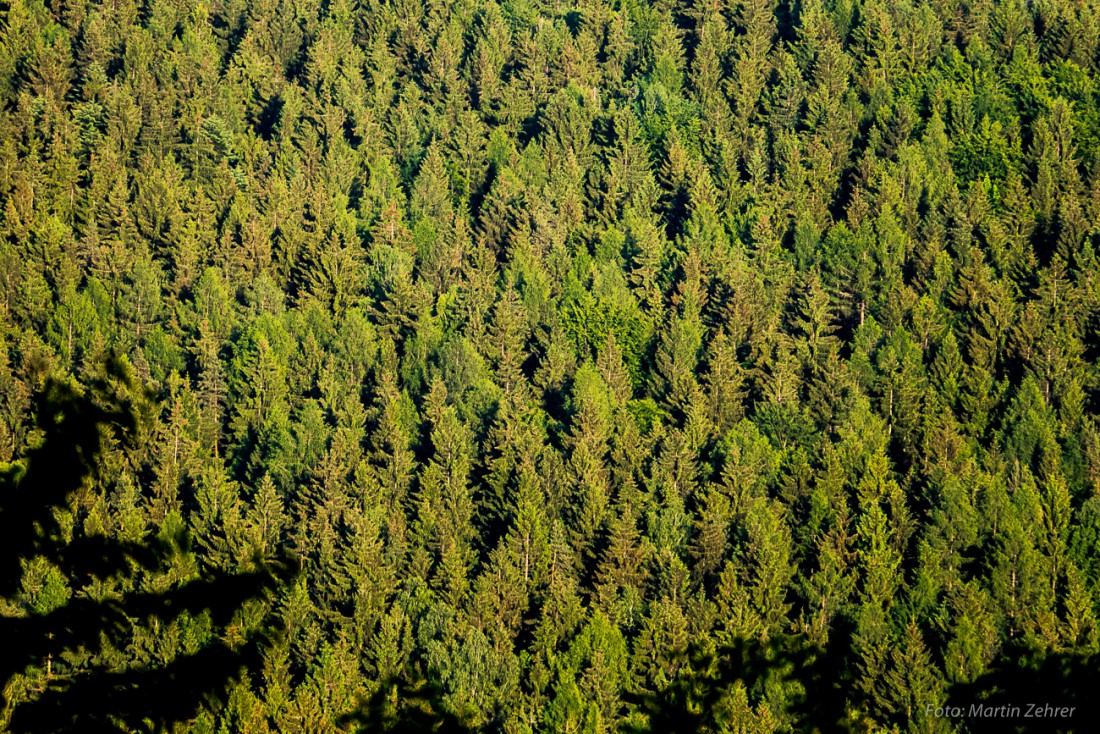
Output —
<point x="1057" y="681"/>
<point x="75" y="428"/>
<point x="401" y="708"/>
<point x="139" y="699"/>
<point x="812" y="677"/>
<point x="267" y="122"/>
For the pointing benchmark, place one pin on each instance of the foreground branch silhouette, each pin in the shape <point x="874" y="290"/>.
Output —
<point x="34" y="492"/>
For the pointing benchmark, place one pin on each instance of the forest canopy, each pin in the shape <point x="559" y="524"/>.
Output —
<point x="600" y="366"/>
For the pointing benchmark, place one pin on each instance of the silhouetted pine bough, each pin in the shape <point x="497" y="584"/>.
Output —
<point x="401" y="707"/>
<point x="1023" y="681"/>
<point x="714" y="685"/>
<point x="88" y="696"/>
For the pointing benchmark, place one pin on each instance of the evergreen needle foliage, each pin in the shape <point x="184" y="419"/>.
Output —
<point x="526" y="366"/>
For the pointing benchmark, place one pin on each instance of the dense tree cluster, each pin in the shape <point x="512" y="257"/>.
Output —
<point x="594" y="360"/>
